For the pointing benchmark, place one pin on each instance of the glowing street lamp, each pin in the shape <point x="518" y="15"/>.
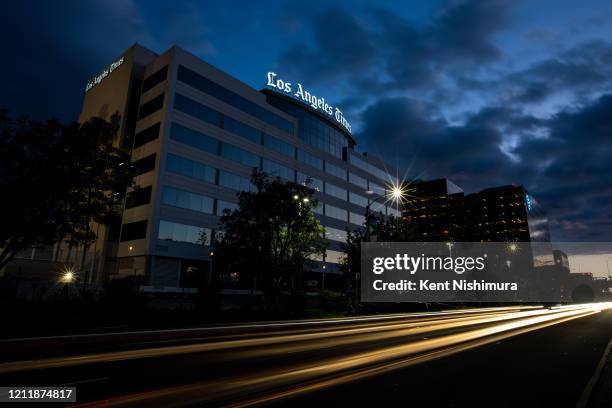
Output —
<point x="68" y="275"/>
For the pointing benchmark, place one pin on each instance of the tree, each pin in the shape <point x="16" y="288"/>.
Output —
<point x="272" y="234"/>
<point x="55" y="179"/>
<point x="386" y="229"/>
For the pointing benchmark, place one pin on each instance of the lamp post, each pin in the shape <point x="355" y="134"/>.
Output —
<point x="396" y="193"/>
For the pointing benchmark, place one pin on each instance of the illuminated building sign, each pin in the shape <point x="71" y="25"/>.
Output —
<point x="98" y="78"/>
<point x="300" y="93"/>
<point x="528" y="203"/>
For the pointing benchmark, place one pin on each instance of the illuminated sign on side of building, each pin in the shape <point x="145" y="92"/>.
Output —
<point x="303" y="95"/>
<point x="528" y="202"/>
<point x="98" y="78"/>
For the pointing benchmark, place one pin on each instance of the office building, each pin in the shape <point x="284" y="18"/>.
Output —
<point x="196" y="134"/>
<point x="441" y="211"/>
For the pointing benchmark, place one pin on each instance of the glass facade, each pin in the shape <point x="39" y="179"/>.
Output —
<point x="356" y="219"/>
<point x="279" y="146"/>
<point x="197" y="110"/>
<point x="367" y="167"/>
<point x="151" y="107"/>
<point x="238" y="128"/>
<point x="335" y="170"/>
<point x="190" y="168"/>
<point x="358" y="199"/>
<point x="335" y="234"/>
<point x="358" y="181"/>
<point x="233" y="181"/>
<point x="239" y="155"/>
<point x="144" y="165"/>
<point x="313" y="130"/>
<point x="310" y="181"/>
<point x="138" y="197"/>
<point x="174" y="231"/>
<point x="217" y="91"/>
<point x="186" y="199"/>
<point x="275" y="169"/>
<point x="310" y="159"/>
<point x="335" y="212"/>
<point x="147" y="135"/>
<point x="154" y="79"/>
<point x="194" y="138"/>
<point x="225" y="205"/>
<point x="335" y="191"/>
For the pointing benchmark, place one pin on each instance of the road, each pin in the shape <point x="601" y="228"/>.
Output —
<point x="512" y="356"/>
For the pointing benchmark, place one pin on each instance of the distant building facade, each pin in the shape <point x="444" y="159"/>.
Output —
<point x="440" y="211"/>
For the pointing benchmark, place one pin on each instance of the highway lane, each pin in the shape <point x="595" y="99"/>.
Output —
<point x="283" y="363"/>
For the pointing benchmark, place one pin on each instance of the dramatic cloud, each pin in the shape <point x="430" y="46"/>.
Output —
<point x="485" y="93"/>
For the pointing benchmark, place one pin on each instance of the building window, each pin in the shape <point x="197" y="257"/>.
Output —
<point x="239" y="155"/>
<point x="188" y="200"/>
<point x="358" y="181"/>
<point x="310" y="181"/>
<point x="154" y="79"/>
<point x="335" y="212"/>
<point x="310" y="159"/>
<point x="194" y="138"/>
<point x="173" y="231"/>
<point x="334" y="257"/>
<point x="370" y="168"/>
<point x="335" y="191"/>
<point x="356" y="219"/>
<point x="240" y="129"/>
<point x="197" y="110"/>
<point x="357" y="199"/>
<point x="144" y="165"/>
<point x="335" y="234"/>
<point x="148" y="135"/>
<point x="313" y="130"/>
<point x="133" y="231"/>
<point x="138" y="197"/>
<point x="377" y="189"/>
<point x="225" y="205"/>
<point x="335" y="170"/>
<point x="151" y="107"/>
<point x="279" y="146"/>
<point x="189" y="168"/>
<point x="278" y="170"/>
<point x="233" y="181"/>
<point x="215" y="90"/>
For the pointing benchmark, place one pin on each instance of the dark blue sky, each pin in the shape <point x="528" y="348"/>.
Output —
<point x="483" y="92"/>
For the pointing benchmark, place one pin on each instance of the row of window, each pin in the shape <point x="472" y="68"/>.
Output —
<point x="201" y="172"/>
<point x="211" y="88"/>
<point x="367" y="167"/>
<point x="188" y="200"/>
<point x="207" y="143"/>
<point x="191" y="234"/>
<point x="211" y="145"/>
<point x="177" y="232"/>
<point x="174" y="231"/>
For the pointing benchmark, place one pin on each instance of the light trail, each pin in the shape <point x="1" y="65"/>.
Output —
<point x="282" y="341"/>
<point x="273" y="383"/>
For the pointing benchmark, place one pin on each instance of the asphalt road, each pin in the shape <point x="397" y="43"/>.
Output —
<point x="487" y="357"/>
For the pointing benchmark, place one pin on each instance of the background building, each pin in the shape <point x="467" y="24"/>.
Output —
<point x="441" y="211"/>
<point x="196" y="134"/>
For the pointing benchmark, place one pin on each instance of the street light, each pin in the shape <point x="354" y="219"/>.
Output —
<point x="68" y="275"/>
<point x="393" y="193"/>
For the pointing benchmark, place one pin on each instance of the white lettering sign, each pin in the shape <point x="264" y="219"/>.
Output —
<point x="98" y="78"/>
<point x="300" y="93"/>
